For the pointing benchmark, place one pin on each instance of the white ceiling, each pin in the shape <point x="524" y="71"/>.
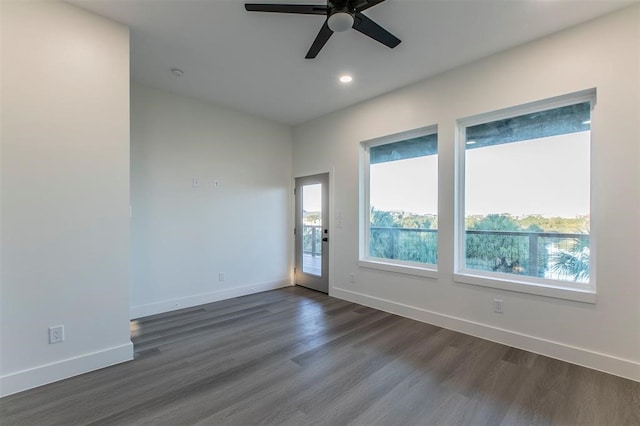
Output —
<point x="254" y="62"/>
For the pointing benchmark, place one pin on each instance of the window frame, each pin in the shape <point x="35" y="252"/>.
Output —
<point x="426" y="270"/>
<point x="521" y="283"/>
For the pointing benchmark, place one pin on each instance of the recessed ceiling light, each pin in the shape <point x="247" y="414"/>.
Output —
<point x="346" y="79"/>
<point x="177" y="72"/>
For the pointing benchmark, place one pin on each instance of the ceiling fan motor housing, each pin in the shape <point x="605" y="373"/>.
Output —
<point x="340" y="15"/>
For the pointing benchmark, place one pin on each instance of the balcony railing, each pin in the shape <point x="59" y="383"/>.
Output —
<point x="517" y="252"/>
<point x="312" y="249"/>
<point x="312" y="239"/>
<point x="536" y="254"/>
<point x="406" y="244"/>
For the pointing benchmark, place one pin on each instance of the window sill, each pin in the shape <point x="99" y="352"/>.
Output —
<point x="547" y="290"/>
<point x="399" y="268"/>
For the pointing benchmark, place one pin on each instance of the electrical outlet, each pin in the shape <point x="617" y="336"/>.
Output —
<point x="497" y="306"/>
<point x="352" y="277"/>
<point x="56" y="334"/>
<point x="216" y="184"/>
<point x="195" y="183"/>
<point x="221" y="276"/>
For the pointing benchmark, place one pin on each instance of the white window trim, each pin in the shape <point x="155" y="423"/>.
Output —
<point x="520" y="283"/>
<point x="427" y="270"/>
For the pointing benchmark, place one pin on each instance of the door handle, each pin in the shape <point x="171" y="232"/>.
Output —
<point x="325" y="239"/>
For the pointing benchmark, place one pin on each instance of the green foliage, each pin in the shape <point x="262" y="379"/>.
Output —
<point x="493" y="222"/>
<point x="531" y="223"/>
<point x="382" y="218"/>
<point x="403" y="236"/>
<point x="495" y="252"/>
<point x="573" y="265"/>
<point x="311" y="218"/>
<point x="403" y="220"/>
<point x="495" y="242"/>
<point x="498" y="253"/>
<point x="577" y="225"/>
<point x="511" y="252"/>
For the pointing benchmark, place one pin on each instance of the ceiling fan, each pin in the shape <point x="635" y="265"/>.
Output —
<point x="340" y="16"/>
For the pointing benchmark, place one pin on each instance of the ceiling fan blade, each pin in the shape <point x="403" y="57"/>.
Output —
<point x="305" y="9"/>
<point x="369" y="28"/>
<point x="366" y="4"/>
<point x="320" y="41"/>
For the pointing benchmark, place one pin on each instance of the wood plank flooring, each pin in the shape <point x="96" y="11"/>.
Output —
<point x="297" y="357"/>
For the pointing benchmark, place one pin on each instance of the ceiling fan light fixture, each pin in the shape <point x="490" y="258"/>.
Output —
<point x="341" y="15"/>
<point x="340" y="22"/>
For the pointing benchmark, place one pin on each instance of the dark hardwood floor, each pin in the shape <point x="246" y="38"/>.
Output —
<point x="297" y="357"/>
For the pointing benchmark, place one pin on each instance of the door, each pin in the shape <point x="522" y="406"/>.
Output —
<point x="312" y="232"/>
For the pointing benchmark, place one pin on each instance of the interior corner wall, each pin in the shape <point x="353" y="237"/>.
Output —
<point x="198" y="243"/>
<point x="64" y="211"/>
<point x="602" y="54"/>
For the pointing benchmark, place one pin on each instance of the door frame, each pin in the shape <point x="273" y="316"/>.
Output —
<point x="314" y="282"/>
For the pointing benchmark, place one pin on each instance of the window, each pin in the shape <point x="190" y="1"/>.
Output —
<point x="400" y="207"/>
<point x="524" y="198"/>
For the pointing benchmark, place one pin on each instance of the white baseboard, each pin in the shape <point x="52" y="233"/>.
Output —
<point x="609" y="364"/>
<point x="202" y="298"/>
<point x="49" y="373"/>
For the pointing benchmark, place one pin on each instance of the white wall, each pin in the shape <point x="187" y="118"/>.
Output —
<point x="183" y="237"/>
<point x="64" y="194"/>
<point x="604" y="54"/>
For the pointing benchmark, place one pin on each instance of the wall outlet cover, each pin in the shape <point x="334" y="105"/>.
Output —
<point x="56" y="334"/>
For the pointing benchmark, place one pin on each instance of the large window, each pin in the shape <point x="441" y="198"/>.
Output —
<point x="401" y="201"/>
<point x="524" y="197"/>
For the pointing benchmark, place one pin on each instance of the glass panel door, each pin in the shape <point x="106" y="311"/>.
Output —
<point x="312" y="232"/>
